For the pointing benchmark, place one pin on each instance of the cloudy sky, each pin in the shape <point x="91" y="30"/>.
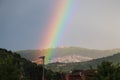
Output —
<point x="95" y="23"/>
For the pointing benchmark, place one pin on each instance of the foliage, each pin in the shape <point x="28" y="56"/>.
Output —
<point x="8" y="69"/>
<point x="106" y="71"/>
<point x="14" y="67"/>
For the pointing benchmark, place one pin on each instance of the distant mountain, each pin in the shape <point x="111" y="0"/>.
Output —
<point x="64" y="54"/>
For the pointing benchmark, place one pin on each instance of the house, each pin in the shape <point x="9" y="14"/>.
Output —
<point x="78" y="75"/>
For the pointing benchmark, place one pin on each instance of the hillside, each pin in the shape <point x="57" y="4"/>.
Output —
<point x="69" y="59"/>
<point x="83" y="65"/>
<point x="14" y="67"/>
<point x="67" y="52"/>
<point x="12" y="64"/>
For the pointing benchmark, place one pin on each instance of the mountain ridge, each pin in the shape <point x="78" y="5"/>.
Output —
<point x="67" y="51"/>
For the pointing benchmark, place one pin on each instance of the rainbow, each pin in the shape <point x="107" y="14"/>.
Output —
<point x="55" y="26"/>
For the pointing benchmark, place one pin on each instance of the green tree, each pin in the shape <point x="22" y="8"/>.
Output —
<point x="14" y="67"/>
<point x="107" y="71"/>
<point x="9" y="70"/>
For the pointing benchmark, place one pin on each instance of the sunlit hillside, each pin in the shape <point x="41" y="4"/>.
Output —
<point x="67" y="52"/>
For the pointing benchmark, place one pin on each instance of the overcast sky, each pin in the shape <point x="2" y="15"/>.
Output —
<point x="95" y="24"/>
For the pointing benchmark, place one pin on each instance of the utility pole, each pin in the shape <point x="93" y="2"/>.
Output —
<point x="21" y="71"/>
<point x="43" y="74"/>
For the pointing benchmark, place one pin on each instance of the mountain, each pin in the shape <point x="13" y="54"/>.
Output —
<point x="61" y="54"/>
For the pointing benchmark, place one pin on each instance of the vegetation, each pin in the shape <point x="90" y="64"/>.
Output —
<point x="106" y="71"/>
<point x="14" y="67"/>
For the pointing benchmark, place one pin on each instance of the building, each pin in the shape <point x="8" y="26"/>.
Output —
<point x="79" y="75"/>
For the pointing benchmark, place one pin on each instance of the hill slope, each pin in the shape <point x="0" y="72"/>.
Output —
<point x="68" y="51"/>
<point x="83" y="65"/>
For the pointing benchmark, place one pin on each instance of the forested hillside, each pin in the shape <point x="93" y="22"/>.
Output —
<point x="14" y="67"/>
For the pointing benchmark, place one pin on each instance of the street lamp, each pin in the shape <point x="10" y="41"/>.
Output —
<point x="43" y="58"/>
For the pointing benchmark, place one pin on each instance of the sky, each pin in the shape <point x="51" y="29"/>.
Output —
<point x="94" y="24"/>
